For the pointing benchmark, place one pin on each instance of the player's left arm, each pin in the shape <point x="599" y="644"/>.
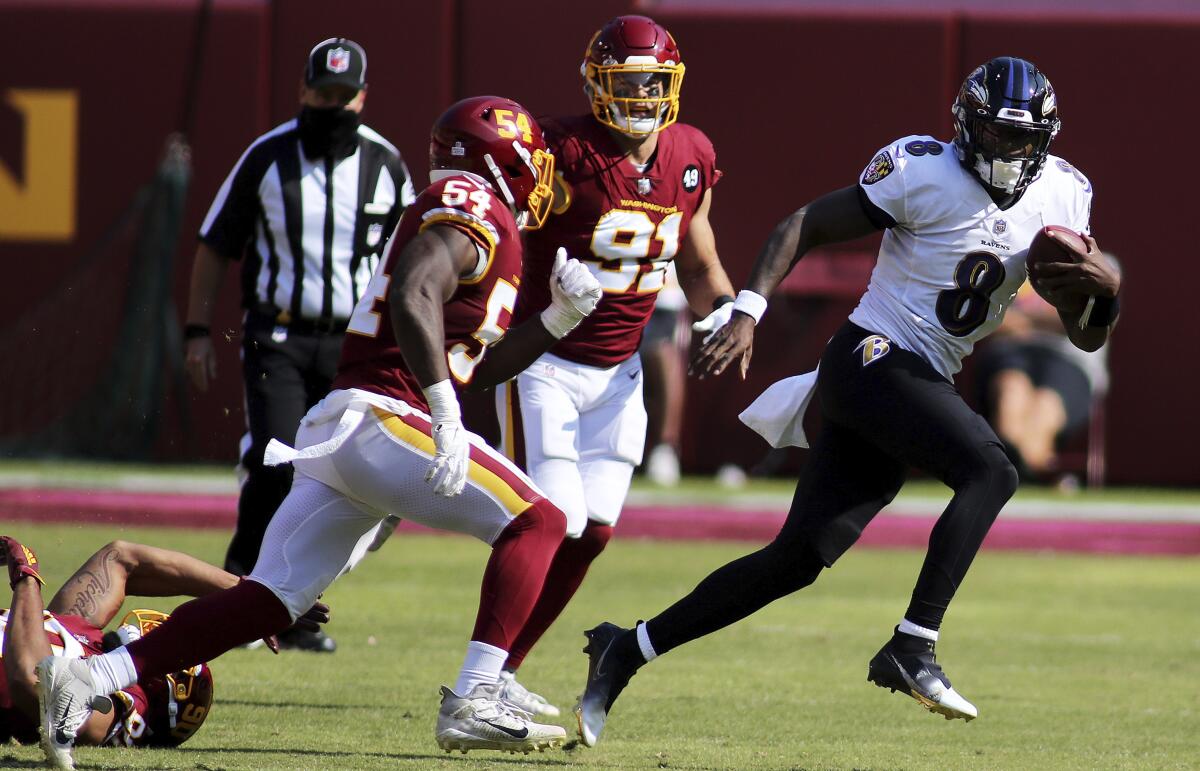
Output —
<point x="1084" y="293"/>
<point x="96" y="591"/>
<point x="842" y="215"/>
<point x="701" y="275"/>
<point x="25" y="644"/>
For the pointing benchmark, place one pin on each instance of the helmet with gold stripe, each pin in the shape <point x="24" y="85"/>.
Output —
<point x="497" y="139"/>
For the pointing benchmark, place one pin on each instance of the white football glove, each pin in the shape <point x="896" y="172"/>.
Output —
<point x="574" y="292"/>
<point x="714" y="321"/>
<point x="451" y="460"/>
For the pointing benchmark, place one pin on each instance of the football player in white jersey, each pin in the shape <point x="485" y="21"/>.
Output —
<point x="959" y="218"/>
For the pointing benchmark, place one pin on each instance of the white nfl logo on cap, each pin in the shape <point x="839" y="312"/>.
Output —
<point x="337" y="60"/>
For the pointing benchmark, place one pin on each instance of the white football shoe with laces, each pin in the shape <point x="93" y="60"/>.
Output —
<point x="524" y="699"/>
<point x="67" y="698"/>
<point x="481" y="720"/>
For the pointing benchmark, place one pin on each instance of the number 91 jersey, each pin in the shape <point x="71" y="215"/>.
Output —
<point x="625" y="225"/>
<point x="475" y="316"/>
<point x="953" y="263"/>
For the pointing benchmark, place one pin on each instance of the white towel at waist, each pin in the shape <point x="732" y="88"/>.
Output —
<point x="347" y="404"/>
<point x="777" y="415"/>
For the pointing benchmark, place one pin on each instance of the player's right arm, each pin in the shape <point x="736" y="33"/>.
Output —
<point x="842" y="215"/>
<point x="208" y="272"/>
<point x="424" y="277"/>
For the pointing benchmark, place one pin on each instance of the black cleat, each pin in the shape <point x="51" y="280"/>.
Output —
<point x="303" y="640"/>
<point x="914" y="670"/>
<point x="607" y="676"/>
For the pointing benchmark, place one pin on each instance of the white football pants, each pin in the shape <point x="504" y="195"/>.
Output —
<point x="578" y="431"/>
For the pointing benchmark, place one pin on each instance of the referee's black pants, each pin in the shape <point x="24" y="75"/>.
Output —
<point x="286" y="372"/>
<point x="883" y="409"/>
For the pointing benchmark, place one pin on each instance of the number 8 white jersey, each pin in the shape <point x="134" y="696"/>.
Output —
<point x="954" y="260"/>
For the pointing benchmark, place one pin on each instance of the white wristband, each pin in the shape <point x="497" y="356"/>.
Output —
<point x="750" y="303"/>
<point x="443" y="403"/>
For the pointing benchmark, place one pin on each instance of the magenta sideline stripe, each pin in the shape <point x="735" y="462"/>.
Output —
<point x="668" y="523"/>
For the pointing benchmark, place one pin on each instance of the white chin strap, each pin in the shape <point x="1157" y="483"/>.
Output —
<point x="499" y="177"/>
<point x="1000" y="174"/>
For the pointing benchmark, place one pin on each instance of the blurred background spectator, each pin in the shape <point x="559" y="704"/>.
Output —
<point x="664" y="352"/>
<point x="1037" y="389"/>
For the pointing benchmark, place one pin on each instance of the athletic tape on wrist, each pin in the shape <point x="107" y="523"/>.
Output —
<point x="559" y="321"/>
<point x="443" y="402"/>
<point x="750" y="303"/>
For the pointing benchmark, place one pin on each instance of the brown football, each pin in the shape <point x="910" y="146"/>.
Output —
<point x="1053" y="243"/>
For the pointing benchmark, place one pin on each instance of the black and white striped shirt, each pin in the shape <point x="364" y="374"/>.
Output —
<point x="311" y="230"/>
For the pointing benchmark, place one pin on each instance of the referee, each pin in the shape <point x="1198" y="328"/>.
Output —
<point x="307" y="209"/>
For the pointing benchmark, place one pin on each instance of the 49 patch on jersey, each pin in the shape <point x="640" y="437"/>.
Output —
<point x="879" y="167"/>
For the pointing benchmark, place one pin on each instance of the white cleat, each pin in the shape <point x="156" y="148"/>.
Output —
<point x="482" y="721"/>
<point x="524" y="699"/>
<point x="66" y="697"/>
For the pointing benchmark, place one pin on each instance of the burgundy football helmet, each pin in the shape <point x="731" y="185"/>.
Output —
<point x="633" y="72"/>
<point x="180" y="701"/>
<point x="499" y="140"/>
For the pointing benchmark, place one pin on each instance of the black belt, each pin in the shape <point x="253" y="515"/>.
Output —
<point x="299" y="326"/>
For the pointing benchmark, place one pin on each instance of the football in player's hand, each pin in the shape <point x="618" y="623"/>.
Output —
<point x="1055" y="243"/>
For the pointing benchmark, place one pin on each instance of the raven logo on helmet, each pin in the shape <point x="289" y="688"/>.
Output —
<point x="1005" y="117"/>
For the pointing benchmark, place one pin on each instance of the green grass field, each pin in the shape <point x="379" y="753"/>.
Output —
<point x="1074" y="663"/>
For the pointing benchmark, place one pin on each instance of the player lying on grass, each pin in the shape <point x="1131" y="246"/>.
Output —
<point x="158" y="712"/>
<point x="959" y="219"/>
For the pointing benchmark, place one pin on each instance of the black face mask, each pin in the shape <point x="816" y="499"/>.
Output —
<point x="328" y="131"/>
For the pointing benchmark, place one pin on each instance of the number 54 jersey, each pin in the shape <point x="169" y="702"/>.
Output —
<point x="475" y="316"/>
<point x="954" y="261"/>
<point x="625" y="225"/>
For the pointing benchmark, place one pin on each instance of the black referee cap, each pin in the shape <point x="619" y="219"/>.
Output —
<point x="336" y="61"/>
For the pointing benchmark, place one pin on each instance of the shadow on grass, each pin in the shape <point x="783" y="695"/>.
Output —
<point x="301" y="705"/>
<point x="491" y="756"/>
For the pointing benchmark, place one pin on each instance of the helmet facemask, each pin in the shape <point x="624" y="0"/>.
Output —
<point x="1005" y="155"/>
<point x="1005" y="117"/>
<point x="534" y="171"/>
<point x="637" y="98"/>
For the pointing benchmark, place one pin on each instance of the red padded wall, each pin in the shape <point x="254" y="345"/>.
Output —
<point x="796" y="106"/>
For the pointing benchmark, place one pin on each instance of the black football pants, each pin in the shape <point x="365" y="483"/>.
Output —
<point x="284" y="378"/>
<point x="883" y="409"/>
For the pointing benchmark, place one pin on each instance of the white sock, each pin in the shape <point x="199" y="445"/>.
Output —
<point x="908" y="627"/>
<point x="481" y="665"/>
<point x="112" y="671"/>
<point x="643" y="638"/>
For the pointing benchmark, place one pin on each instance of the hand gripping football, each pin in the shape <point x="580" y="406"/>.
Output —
<point x="1055" y="243"/>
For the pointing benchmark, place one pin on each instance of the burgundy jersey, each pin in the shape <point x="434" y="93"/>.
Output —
<point x="73" y="637"/>
<point x="625" y="225"/>
<point x="475" y="316"/>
